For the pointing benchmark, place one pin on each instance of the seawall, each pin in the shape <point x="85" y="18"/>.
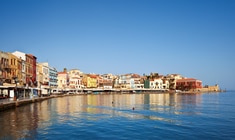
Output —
<point x="14" y="104"/>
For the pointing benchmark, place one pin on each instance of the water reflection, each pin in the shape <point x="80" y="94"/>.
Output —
<point x="19" y="122"/>
<point x="24" y="121"/>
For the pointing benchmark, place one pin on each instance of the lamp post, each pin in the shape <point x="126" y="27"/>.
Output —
<point x="16" y="91"/>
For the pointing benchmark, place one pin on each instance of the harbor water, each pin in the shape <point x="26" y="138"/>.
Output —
<point x="124" y="116"/>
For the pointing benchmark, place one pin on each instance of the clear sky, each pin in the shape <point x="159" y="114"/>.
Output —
<point x="194" y="38"/>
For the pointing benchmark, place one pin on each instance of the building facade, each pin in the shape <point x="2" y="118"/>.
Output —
<point x="75" y="79"/>
<point x="53" y="77"/>
<point x="13" y="63"/>
<point x="4" y="68"/>
<point x="39" y="75"/>
<point x="22" y="58"/>
<point x="90" y="80"/>
<point x="186" y="84"/>
<point x="63" y="80"/>
<point x="105" y="81"/>
<point x="45" y="75"/>
<point x="156" y="84"/>
<point x="31" y="72"/>
<point x="129" y="81"/>
<point x="172" y="78"/>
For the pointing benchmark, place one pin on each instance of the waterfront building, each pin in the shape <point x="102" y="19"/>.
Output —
<point x="31" y="72"/>
<point x="46" y="78"/>
<point x="105" y="81"/>
<point x="22" y="57"/>
<point x="172" y="78"/>
<point x="149" y="81"/>
<point x="90" y="80"/>
<point x="39" y="75"/>
<point x="138" y="81"/>
<point x="146" y="83"/>
<point x="53" y="78"/>
<point x="19" y="72"/>
<point x="4" y="68"/>
<point x="117" y="82"/>
<point x="75" y="79"/>
<point x="63" y="80"/>
<point x="122" y="81"/>
<point x="128" y="81"/>
<point x="44" y="75"/>
<point x="165" y="82"/>
<point x="13" y="71"/>
<point x="188" y="84"/>
<point x="43" y="79"/>
<point x="156" y="83"/>
<point x="14" y="76"/>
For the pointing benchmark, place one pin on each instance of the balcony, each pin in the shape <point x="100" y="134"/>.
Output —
<point x="5" y="67"/>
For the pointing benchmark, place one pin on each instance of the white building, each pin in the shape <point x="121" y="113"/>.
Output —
<point x="75" y="79"/>
<point x="53" y="77"/>
<point x="156" y="84"/>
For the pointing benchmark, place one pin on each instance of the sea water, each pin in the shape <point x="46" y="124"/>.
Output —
<point x="124" y="116"/>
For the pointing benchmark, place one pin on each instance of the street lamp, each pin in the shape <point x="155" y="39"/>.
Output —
<point x="16" y="91"/>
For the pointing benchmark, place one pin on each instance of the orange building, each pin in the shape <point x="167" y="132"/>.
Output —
<point x="188" y="84"/>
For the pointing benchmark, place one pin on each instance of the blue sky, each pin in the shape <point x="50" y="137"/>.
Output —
<point x="194" y="38"/>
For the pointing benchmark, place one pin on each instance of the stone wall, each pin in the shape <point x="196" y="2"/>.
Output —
<point x="214" y="88"/>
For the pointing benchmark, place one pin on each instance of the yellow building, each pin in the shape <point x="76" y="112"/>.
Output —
<point x="90" y="81"/>
<point x="19" y="72"/>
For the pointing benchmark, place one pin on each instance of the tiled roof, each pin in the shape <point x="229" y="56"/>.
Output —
<point x="92" y="76"/>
